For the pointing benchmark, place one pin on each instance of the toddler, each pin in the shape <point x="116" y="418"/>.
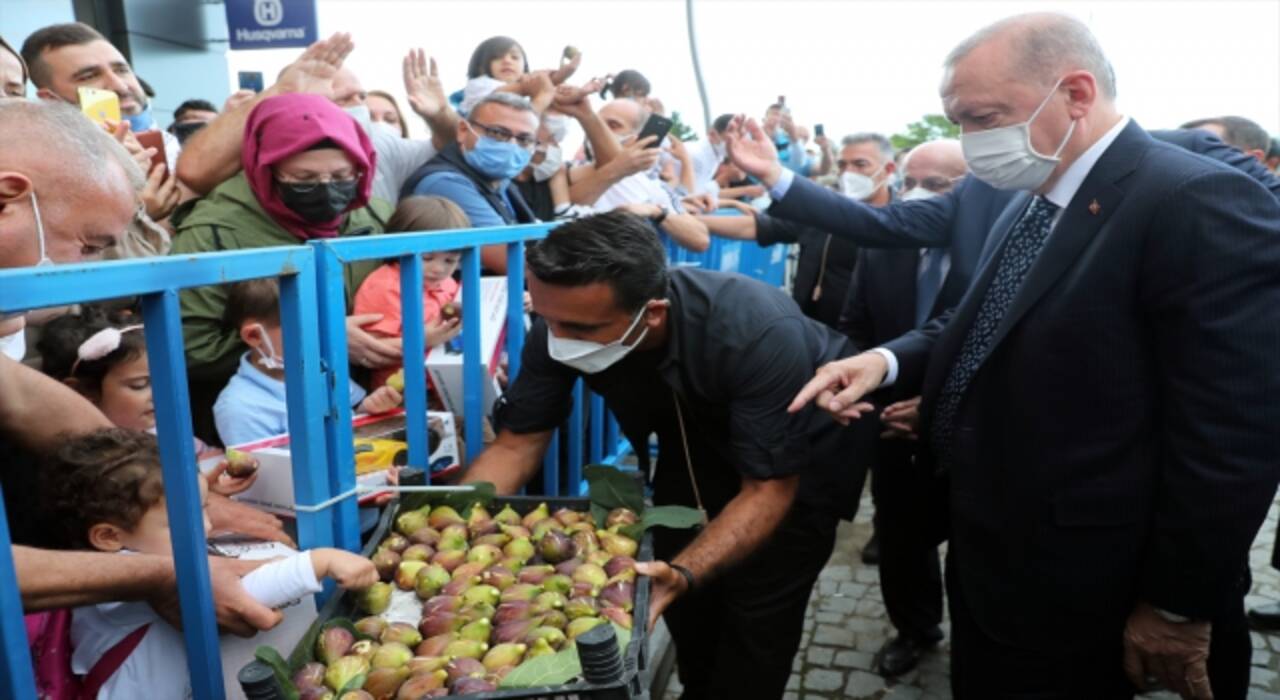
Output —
<point x="106" y="491"/>
<point x="252" y="406"/>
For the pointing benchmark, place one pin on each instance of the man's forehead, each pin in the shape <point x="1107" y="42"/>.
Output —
<point x="518" y="120"/>
<point x="586" y="303"/>
<point x="73" y="57"/>
<point x="865" y="150"/>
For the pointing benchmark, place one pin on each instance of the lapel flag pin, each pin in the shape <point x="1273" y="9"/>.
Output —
<point x="1094" y="207"/>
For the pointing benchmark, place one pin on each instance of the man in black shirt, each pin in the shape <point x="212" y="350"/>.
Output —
<point x="708" y="362"/>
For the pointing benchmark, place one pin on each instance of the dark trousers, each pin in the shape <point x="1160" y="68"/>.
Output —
<point x="735" y="636"/>
<point x="983" y="668"/>
<point x="910" y="569"/>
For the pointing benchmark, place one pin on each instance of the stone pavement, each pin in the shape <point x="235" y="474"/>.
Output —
<point x="846" y="624"/>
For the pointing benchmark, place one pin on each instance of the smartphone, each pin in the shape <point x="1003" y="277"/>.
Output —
<point x="818" y="131"/>
<point x="251" y="80"/>
<point x="99" y="105"/>
<point x="153" y="139"/>
<point x="657" y="125"/>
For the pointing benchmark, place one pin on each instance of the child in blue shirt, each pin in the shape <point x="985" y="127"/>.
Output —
<point x="252" y="406"/>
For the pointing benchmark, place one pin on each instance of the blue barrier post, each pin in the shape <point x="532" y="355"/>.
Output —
<point x="551" y="467"/>
<point x="596" y="449"/>
<point x="515" y="309"/>
<point x="17" y="683"/>
<point x="414" y="354"/>
<point x="331" y="292"/>
<point x="576" y="438"/>
<point x="474" y="368"/>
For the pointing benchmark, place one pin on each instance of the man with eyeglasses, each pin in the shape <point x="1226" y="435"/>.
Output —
<point x="495" y="143"/>
<point x="894" y="291"/>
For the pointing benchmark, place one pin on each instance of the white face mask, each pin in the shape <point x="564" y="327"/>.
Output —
<point x="361" y="114"/>
<point x="719" y="150"/>
<point x="388" y="129"/>
<point x="590" y="358"/>
<point x="558" y="125"/>
<point x="44" y="261"/>
<point x="550" y="165"/>
<point x="269" y="358"/>
<point x="858" y="186"/>
<point x="14" y="345"/>
<point x="918" y="193"/>
<point x="1004" y="157"/>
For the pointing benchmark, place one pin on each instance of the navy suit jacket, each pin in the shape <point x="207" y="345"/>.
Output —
<point x="1118" y="442"/>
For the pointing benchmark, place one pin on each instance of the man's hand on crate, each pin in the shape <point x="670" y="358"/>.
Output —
<point x="668" y="584"/>
<point x="237" y="612"/>
<point x="226" y="515"/>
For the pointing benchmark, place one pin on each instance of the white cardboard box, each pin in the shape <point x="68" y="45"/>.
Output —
<point x="273" y="490"/>
<point x="444" y="363"/>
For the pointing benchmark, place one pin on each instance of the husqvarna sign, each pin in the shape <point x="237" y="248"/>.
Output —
<point x="270" y="24"/>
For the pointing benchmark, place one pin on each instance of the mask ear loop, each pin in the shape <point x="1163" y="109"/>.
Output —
<point x="688" y="460"/>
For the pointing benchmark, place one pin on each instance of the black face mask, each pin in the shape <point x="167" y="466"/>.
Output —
<point x="317" y="201"/>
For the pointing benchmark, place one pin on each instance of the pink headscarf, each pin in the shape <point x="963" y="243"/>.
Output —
<point x="285" y="125"/>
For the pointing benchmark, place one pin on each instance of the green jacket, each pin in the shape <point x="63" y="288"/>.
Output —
<point x="230" y="218"/>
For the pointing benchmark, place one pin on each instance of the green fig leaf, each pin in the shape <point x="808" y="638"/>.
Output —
<point x="599" y="513"/>
<point x="611" y="488"/>
<point x="284" y="679"/>
<point x="552" y="669"/>
<point x="677" y="517"/>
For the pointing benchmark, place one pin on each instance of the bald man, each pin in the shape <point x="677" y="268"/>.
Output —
<point x="893" y="292"/>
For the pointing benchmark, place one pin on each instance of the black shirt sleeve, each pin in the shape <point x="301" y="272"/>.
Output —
<point x="541" y="397"/>
<point x="770" y="230"/>
<point x="766" y="441"/>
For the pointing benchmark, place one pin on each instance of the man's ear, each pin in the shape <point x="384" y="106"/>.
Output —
<point x="250" y="334"/>
<point x="655" y="312"/>
<point x="13" y="187"/>
<point x="106" y="537"/>
<point x="45" y="93"/>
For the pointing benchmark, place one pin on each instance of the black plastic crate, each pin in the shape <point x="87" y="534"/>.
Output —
<point x="635" y="657"/>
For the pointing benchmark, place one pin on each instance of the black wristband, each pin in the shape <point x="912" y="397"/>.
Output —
<point x="686" y="573"/>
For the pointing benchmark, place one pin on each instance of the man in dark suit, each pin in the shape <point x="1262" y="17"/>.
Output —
<point x="1101" y="400"/>
<point x="894" y="291"/>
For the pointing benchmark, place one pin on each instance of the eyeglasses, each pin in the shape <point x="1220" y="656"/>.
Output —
<point x="843" y="165"/>
<point x="498" y="133"/>
<point x="311" y="181"/>
<point x="937" y="183"/>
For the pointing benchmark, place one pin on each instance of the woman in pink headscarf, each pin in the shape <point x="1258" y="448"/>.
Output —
<point x="308" y="169"/>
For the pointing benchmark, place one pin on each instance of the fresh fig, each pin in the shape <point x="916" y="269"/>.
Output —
<point x="420" y="665"/>
<point x="568" y="566"/>
<point x="542" y="527"/>
<point x="539" y="647"/>
<point x="321" y="693"/>
<point x="333" y="643"/>
<point x="396" y="380"/>
<point x="382" y="683"/>
<point x="506" y="654"/>
<point x="516" y="531"/>
<point x="535" y="574"/>
<point x="591" y="574"/>
<point x="583" y="589"/>
<point x="533" y="516"/>
<point x="580" y="625"/>
<point x="429" y="580"/>
<point x="469" y="648"/>
<point x="420" y="685"/>
<point x="599" y="557"/>
<point x="311" y="675"/>
<point x="344" y="670"/>
<point x="438" y="624"/>
<point x="450" y="560"/>
<point x="551" y="635"/>
<point x="497" y="539"/>
<point x="484" y="554"/>
<point x="512" y="564"/>
<point x="472" y="686"/>
<point x="628" y="575"/>
<point x="441" y="603"/>
<point x="616" y="544"/>
<point x="471" y="569"/>
<point x="499" y="577"/>
<point x="586" y="541"/>
<point x="478" y="630"/>
<point x="621" y="516"/>
<point x="365" y="648"/>
<point x="548" y="600"/>
<point x="240" y="464"/>
<point x="481" y="594"/>
<point x="581" y="607"/>
<point x="464" y="667"/>
<point x="435" y="646"/>
<point x="407" y="574"/>
<point x="425" y="535"/>
<point x="513" y="631"/>
<point x="555" y="547"/>
<point x="476" y="611"/>
<point x="386" y="561"/>
<point x="480" y="528"/>
<point x="453" y="537"/>
<point x="401" y="632"/>
<point x="458" y="586"/>
<point x="617" y="616"/>
<point x="356" y="695"/>
<point x="410" y="522"/>
<point x="507" y="516"/>
<point x="553" y="618"/>
<point x="395" y="542"/>
<point x="620" y="594"/>
<point x="443" y="516"/>
<point x="558" y="583"/>
<point x="521" y="548"/>
<point x="512" y="611"/>
<point x="617" y="565"/>
<point x="567" y="517"/>
<point x="417" y="552"/>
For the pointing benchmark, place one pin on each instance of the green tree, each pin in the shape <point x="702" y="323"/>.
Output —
<point x="929" y="128"/>
<point x="680" y="130"/>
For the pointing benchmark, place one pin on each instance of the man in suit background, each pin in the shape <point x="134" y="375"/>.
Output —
<point x="894" y="291"/>
<point x="1101" y="398"/>
<point x="1244" y="134"/>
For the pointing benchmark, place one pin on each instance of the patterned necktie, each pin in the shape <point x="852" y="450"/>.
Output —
<point x="1025" y="242"/>
<point x="929" y="282"/>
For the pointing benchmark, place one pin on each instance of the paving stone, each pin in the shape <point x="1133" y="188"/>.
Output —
<point x="830" y="618"/>
<point x="836" y="573"/>
<point x="793" y="682"/>
<point x="870" y="608"/>
<point x="790" y="696"/>
<point x="823" y="679"/>
<point x="838" y="604"/>
<point x="855" y="659"/>
<point x="1261" y="658"/>
<point x="833" y="636"/>
<point x="866" y="575"/>
<point x="821" y="656"/>
<point x="862" y="684"/>
<point x="905" y="692"/>
<point x="1263" y="677"/>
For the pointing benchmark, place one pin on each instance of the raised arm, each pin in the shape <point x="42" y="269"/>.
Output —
<point x="426" y="96"/>
<point x="37" y="411"/>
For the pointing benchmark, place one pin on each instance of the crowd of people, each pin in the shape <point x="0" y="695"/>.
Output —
<point x="1050" y="343"/>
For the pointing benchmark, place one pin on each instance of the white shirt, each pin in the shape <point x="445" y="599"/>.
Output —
<point x="635" y="189"/>
<point x="1061" y="194"/>
<point x="705" y="162"/>
<point x="157" y="667"/>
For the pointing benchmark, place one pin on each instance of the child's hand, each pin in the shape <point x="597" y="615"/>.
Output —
<point x="568" y="65"/>
<point x="221" y="482"/>
<point x="351" y="571"/>
<point x="382" y="400"/>
<point x="441" y="331"/>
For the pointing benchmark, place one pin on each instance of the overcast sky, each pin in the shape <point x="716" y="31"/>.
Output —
<point x="852" y="65"/>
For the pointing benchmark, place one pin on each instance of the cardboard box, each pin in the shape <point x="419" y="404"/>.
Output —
<point x="273" y="490"/>
<point x="444" y="363"/>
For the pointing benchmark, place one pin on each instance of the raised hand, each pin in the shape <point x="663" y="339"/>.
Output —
<point x="422" y="84"/>
<point x="752" y="151"/>
<point x="316" y="68"/>
<point x="838" y="386"/>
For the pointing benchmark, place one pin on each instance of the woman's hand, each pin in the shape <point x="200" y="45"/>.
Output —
<point x="366" y="350"/>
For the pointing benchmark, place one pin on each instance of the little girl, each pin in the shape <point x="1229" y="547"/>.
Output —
<point x="499" y="63"/>
<point x="106" y="491"/>
<point x="105" y="361"/>
<point x="380" y="291"/>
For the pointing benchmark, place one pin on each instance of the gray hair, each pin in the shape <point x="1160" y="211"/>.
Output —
<point x="63" y="135"/>
<point x="882" y="143"/>
<point x="506" y="99"/>
<point x="1046" y="46"/>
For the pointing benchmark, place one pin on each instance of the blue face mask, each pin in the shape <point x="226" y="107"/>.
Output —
<point x="142" y="121"/>
<point x="497" y="160"/>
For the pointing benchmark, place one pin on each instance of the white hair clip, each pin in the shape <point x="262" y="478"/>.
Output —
<point x="101" y="344"/>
